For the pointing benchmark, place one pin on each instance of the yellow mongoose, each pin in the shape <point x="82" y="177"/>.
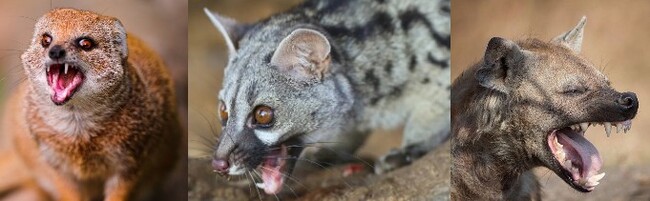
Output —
<point x="96" y="118"/>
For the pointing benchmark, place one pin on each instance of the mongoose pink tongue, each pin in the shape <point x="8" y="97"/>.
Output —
<point x="63" y="81"/>
<point x="577" y="147"/>
<point x="272" y="170"/>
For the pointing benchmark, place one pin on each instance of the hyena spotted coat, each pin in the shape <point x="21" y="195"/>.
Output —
<point x="527" y="104"/>
<point x="333" y="71"/>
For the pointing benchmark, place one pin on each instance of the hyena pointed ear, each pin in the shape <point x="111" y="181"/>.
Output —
<point x="231" y="30"/>
<point x="303" y="55"/>
<point x="499" y="56"/>
<point x="573" y="37"/>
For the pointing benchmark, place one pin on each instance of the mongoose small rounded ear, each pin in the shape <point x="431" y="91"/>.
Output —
<point x="499" y="57"/>
<point x="572" y="38"/>
<point x="231" y="30"/>
<point x="121" y="37"/>
<point x="303" y="55"/>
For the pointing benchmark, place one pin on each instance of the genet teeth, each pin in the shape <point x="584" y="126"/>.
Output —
<point x="65" y="71"/>
<point x="260" y="185"/>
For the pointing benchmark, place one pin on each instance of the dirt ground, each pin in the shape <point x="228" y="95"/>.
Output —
<point x="615" y="40"/>
<point x="427" y="179"/>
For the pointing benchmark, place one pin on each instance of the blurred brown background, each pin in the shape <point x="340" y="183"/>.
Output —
<point x="616" y="40"/>
<point x="162" y="24"/>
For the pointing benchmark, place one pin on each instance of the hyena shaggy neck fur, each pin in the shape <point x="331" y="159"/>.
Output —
<point x="527" y="105"/>
<point x="333" y="71"/>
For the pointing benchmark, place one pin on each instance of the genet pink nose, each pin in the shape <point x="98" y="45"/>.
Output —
<point x="219" y="165"/>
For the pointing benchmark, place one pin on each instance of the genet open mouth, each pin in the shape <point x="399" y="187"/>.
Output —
<point x="272" y="167"/>
<point x="579" y="158"/>
<point x="64" y="80"/>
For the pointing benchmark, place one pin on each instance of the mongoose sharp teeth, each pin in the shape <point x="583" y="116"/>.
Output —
<point x="65" y="71"/>
<point x="608" y="128"/>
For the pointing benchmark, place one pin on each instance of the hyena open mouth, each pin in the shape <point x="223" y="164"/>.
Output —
<point x="64" y="79"/>
<point x="579" y="158"/>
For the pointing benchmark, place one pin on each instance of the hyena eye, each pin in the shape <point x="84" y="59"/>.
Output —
<point x="85" y="43"/>
<point x="46" y="40"/>
<point x="223" y="114"/>
<point x="574" y="90"/>
<point x="263" y="116"/>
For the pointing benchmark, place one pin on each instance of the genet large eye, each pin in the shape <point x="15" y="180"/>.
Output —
<point x="223" y="114"/>
<point x="46" y="40"/>
<point x="263" y="116"/>
<point x="85" y="44"/>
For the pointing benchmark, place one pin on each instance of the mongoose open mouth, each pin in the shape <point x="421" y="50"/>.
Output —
<point x="579" y="158"/>
<point x="64" y="80"/>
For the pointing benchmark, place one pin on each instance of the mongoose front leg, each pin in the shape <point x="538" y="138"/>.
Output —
<point x="119" y="188"/>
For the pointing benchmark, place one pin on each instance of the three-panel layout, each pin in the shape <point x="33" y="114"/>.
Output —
<point x="323" y="100"/>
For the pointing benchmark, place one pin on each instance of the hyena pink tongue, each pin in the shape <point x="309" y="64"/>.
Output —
<point x="579" y="148"/>
<point x="578" y="156"/>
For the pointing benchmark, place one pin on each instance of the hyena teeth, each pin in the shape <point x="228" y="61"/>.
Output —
<point x="567" y="164"/>
<point x="596" y="178"/>
<point x="588" y="184"/>
<point x="558" y="145"/>
<point x="575" y="127"/>
<point x="65" y="71"/>
<point x="561" y="155"/>
<point x="608" y="128"/>
<point x="584" y="126"/>
<point x="618" y="127"/>
<point x="47" y="69"/>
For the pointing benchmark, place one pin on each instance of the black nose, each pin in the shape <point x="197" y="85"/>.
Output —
<point x="220" y="165"/>
<point x="57" y="52"/>
<point x="628" y="101"/>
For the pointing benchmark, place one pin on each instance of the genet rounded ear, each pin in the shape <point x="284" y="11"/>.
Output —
<point x="303" y="55"/>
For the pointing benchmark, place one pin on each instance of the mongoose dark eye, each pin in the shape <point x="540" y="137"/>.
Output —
<point x="263" y="116"/>
<point x="85" y="44"/>
<point x="223" y="114"/>
<point x="46" y="40"/>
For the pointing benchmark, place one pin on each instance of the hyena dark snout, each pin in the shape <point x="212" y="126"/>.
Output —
<point x="628" y="103"/>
